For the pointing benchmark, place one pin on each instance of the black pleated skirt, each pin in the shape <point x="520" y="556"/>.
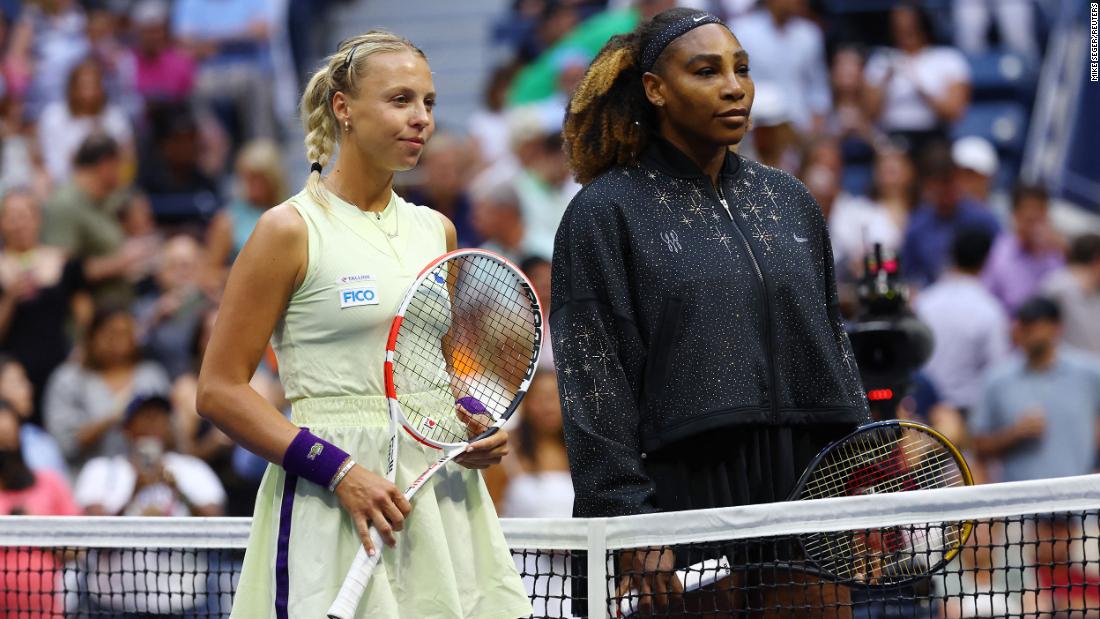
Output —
<point x="737" y="465"/>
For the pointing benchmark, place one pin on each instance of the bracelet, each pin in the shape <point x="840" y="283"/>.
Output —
<point x="340" y="476"/>
<point x="313" y="458"/>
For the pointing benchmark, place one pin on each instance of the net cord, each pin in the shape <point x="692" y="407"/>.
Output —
<point x="598" y="536"/>
<point x="707" y="525"/>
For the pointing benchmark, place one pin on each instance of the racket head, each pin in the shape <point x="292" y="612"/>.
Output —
<point x="885" y="457"/>
<point x="470" y="326"/>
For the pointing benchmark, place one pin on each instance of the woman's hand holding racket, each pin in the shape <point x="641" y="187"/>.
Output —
<point x="488" y="451"/>
<point x="648" y="574"/>
<point x="373" y="501"/>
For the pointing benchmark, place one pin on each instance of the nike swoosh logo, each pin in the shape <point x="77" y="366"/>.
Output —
<point x="800" y="239"/>
<point x="698" y="19"/>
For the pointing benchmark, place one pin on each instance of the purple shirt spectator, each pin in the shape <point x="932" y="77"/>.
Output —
<point x="170" y="75"/>
<point x="1014" y="274"/>
<point x="164" y="72"/>
<point x="1020" y="261"/>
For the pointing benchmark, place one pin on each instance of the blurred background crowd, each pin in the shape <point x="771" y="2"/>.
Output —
<point x="140" y="140"/>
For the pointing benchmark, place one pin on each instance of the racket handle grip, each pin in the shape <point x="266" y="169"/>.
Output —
<point x="355" y="583"/>
<point x="692" y="577"/>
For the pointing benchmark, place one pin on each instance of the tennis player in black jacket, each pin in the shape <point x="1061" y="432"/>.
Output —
<point x="702" y="360"/>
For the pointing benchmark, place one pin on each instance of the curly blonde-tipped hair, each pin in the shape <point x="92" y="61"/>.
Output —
<point x="609" y="120"/>
<point x="339" y="73"/>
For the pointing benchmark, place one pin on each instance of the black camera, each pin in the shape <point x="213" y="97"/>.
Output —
<point x="889" y="342"/>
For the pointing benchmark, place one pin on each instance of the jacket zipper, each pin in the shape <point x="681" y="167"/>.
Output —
<point x="773" y="396"/>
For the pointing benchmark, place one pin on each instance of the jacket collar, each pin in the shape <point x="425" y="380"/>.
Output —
<point x="666" y="158"/>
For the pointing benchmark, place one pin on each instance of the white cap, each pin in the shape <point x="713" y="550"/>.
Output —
<point x="975" y="153"/>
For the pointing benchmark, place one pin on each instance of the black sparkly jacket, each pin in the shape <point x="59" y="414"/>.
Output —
<point x="674" y="314"/>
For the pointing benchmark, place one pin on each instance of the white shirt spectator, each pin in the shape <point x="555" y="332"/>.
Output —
<point x="109" y="482"/>
<point x="60" y="134"/>
<point x="934" y="69"/>
<point x="543" y="207"/>
<point x="971" y="334"/>
<point x="856" y="224"/>
<point x="792" y="58"/>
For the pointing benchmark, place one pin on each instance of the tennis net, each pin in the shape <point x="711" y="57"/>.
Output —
<point x="1032" y="549"/>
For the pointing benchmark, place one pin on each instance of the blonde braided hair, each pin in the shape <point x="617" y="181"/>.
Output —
<point x="339" y="73"/>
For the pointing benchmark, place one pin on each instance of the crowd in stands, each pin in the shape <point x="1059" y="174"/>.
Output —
<point x="140" y="145"/>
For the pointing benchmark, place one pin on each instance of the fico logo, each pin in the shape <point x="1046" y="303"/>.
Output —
<point x="361" y="295"/>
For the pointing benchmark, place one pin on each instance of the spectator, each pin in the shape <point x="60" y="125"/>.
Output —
<point x="894" y="184"/>
<point x="915" y="89"/>
<point x="66" y="124"/>
<point x="171" y="167"/>
<point x="140" y="228"/>
<point x="538" y="481"/>
<point x="163" y="72"/>
<point x="969" y="326"/>
<point x="1038" y="410"/>
<point x="445" y="169"/>
<point x="86" y="401"/>
<point x="47" y="42"/>
<point x="848" y="120"/>
<point x="38" y="285"/>
<point x="788" y="52"/>
<point x="116" y="60"/>
<point x="25" y="491"/>
<point x="539" y="79"/>
<point x="40" y="450"/>
<point x="231" y="39"/>
<point x="537" y="269"/>
<point x="497" y="219"/>
<point x="1015" y="25"/>
<point x="20" y="165"/>
<point x="773" y="140"/>
<point x="1023" y="258"/>
<point x="933" y="225"/>
<point x="543" y="185"/>
<point x="976" y="165"/>
<point x="259" y="186"/>
<point x="28" y="575"/>
<point x="81" y="217"/>
<point x="1076" y="288"/>
<point x="489" y="125"/>
<point x="855" y="223"/>
<point x="148" y="479"/>
<point x="168" y="316"/>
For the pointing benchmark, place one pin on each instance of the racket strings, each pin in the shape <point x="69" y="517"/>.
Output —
<point x="935" y="467"/>
<point x="886" y="460"/>
<point x="470" y="328"/>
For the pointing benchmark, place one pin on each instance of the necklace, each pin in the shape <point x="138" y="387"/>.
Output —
<point x="378" y="223"/>
<point x="377" y="219"/>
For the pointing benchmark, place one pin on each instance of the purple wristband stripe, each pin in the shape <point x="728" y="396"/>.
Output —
<point x="282" y="552"/>
<point x="313" y="458"/>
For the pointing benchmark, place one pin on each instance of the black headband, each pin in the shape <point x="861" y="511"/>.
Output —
<point x="652" y="51"/>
